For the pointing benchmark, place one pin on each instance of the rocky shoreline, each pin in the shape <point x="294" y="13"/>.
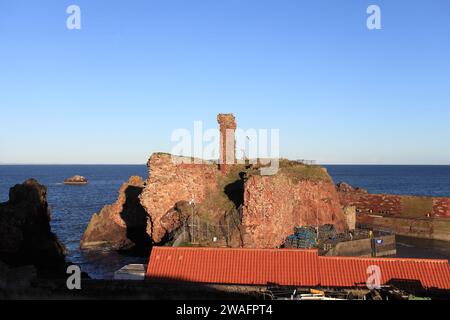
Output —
<point x="191" y="202"/>
<point x="25" y="234"/>
<point x="28" y="248"/>
<point x="32" y="260"/>
<point x="121" y="225"/>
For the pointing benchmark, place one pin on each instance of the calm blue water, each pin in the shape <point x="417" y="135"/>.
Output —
<point x="73" y="206"/>
<point x="409" y="180"/>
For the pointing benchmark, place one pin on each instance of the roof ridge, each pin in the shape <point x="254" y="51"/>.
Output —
<point x="236" y="249"/>
<point x="387" y="259"/>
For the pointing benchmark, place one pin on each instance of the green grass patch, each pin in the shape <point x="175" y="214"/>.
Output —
<point x="297" y="171"/>
<point x="227" y="196"/>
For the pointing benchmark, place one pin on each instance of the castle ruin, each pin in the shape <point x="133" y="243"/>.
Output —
<point x="228" y="126"/>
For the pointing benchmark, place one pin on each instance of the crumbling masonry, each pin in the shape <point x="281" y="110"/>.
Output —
<point x="227" y="124"/>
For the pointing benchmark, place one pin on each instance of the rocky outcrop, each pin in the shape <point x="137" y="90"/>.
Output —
<point x="176" y="217"/>
<point x="154" y="209"/>
<point x="199" y="195"/>
<point x="274" y="205"/>
<point x="76" y="180"/>
<point x="25" y="234"/>
<point x="123" y="224"/>
<point x="235" y="208"/>
<point x="345" y="187"/>
<point x="172" y="180"/>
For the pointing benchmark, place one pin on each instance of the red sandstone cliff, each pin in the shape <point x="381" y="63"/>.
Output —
<point x="171" y="180"/>
<point x="122" y="224"/>
<point x="274" y="205"/>
<point x="195" y="195"/>
<point x="177" y="189"/>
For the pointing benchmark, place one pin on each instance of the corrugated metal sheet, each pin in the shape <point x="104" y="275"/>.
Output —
<point x="348" y="272"/>
<point x="234" y="266"/>
<point x="287" y="267"/>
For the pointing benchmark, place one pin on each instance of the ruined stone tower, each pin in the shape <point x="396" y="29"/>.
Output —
<point x="227" y="124"/>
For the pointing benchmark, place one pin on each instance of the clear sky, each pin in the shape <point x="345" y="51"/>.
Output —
<point x="114" y="91"/>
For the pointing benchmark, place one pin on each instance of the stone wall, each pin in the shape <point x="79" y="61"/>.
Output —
<point x="372" y="203"/>
<point x="172" y="180"/>
<point x="441" y="207"/>
<point x="363" y="248"/>
<point x="426" y="228"/>
<point x="228" y="126"/>
<point x="350" y="217"/>
<point x="413" y="216"/>
<point x="274" y="205"/>
<point x="394" y="205"/>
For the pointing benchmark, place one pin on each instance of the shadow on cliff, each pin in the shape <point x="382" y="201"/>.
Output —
<point x="136" y="220"/>
<point x="231" y="222"/>
<point x="235" y="191"/>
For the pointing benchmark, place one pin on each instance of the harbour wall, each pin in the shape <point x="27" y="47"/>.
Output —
<point x="425" y="228"/>
<point x="412" y="216"/>
<point x="396" y="205"/>
<point x="363" y="248"/>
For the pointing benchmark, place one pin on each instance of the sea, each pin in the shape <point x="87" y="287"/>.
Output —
<point x="73" y="206"/>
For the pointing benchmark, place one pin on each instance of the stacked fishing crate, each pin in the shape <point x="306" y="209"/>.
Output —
<point x="303" y="238"/>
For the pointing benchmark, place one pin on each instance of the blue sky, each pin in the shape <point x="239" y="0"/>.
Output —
<point x="114" y="91"/>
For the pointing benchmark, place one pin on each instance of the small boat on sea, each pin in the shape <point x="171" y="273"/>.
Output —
<point x="78" y="180"/>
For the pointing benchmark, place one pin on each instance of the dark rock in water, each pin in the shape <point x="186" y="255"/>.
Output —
<point x="25" y="234"/>
<point x="76" y="180"/>
<point x="345" y="187"/>
<point x="122" y="225"/>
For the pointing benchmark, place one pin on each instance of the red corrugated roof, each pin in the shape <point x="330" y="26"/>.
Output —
<point x="347" y="272"/>
<point x="234" y="266"/>
<point x="287" y="267"/>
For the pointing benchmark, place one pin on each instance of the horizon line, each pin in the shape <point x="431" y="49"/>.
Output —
<point x="144" y="164"/>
